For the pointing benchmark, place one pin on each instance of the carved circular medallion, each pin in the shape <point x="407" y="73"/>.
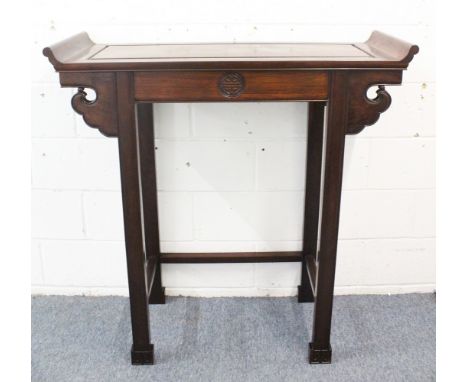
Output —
<point x="231" y="84"/>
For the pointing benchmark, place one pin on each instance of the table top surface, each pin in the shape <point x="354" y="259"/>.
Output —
<point x="81" y="53"/>
<point x="230" y="52"/>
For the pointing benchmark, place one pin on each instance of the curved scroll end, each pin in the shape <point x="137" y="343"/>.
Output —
<point x="99" y="113"/>
<point x="67" y="50"/>
<point x="411" y="53"/>
<point x="80" y="99"/>
<point x="381" y="102"/>
<point x="391" y="47"/>
<point x="362" y="110"/>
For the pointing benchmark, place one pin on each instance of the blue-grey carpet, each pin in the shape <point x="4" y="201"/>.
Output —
<point x="374" y="338"/>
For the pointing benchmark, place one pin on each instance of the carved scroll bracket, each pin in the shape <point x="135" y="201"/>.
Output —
<point x="100" y="113"/>
<point x="364" y="111"/>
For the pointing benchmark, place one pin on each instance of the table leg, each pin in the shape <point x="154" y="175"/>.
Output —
<point x="312" y="194"/>
<point x="142" y="349"/>
<point x="320" y="349"/>
<point x="150" y="198"/>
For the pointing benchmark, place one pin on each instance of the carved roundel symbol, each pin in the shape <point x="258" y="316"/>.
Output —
<point x="231" y="84"/>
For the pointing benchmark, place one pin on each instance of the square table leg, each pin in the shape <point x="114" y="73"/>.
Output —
<point x="312" y="195"/>
<point x="320" y="349"/>
<point x="142" y="349"/>
<point x="150" y="199"/>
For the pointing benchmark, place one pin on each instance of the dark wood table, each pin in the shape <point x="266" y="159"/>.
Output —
<point x="127" y="79"/>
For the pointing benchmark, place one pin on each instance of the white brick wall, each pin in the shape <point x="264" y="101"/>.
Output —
<point x="231" y="176"/>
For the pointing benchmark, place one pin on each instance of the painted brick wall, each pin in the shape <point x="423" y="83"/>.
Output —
<point x="231" y="176"/>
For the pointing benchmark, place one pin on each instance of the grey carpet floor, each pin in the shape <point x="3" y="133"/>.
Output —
<point x="374" y="338"/>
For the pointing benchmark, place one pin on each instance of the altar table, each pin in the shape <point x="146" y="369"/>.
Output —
<point x="333" y="78"/>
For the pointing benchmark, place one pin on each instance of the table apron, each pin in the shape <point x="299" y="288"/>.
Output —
<point x="233" y="86"/>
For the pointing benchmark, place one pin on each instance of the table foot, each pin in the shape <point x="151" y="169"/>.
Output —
<point x="304" y="294"/>
<point x="319" y="355"/>
<point x="144" y="356"/>
<point x="157" y="296"/>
